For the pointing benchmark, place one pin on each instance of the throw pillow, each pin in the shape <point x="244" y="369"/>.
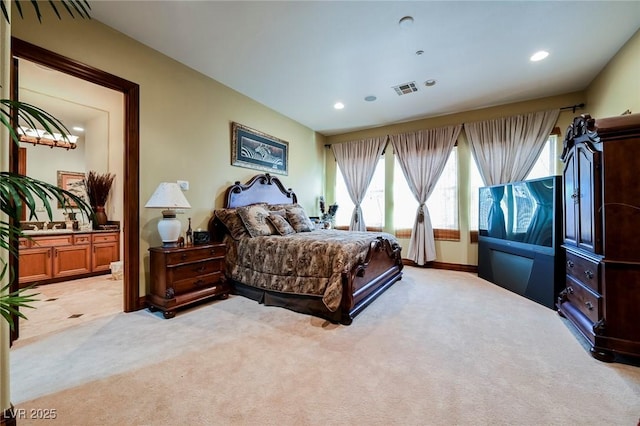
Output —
<point x="231" y="220"/>
<point x="279" y="207"/>
<point x="280" y="223"/>
<point x="298" y="218"/>
<point x="255" y="220"/>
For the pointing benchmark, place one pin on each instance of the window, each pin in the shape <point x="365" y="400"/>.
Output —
<point x="544" y="166"/>
<point x="442" y="204"/>
<point x="372" y="205"/>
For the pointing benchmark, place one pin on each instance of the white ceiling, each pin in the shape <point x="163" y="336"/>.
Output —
<point x="300" y="57"/>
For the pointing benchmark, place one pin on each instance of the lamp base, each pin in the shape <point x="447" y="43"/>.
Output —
<point x="169" y="229"/>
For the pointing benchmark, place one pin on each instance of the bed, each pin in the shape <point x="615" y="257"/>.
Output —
<point x="330" y="274"/>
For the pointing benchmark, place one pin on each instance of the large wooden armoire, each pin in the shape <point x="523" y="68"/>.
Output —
<point x="601" y="197"/>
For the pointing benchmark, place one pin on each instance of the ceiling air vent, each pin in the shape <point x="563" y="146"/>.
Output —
<point x="406" y="88"/>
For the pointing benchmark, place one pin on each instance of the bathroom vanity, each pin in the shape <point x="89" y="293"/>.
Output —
<point x="55" y="255"/>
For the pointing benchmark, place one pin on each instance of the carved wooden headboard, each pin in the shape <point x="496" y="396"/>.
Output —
<point x="262" y="188"/>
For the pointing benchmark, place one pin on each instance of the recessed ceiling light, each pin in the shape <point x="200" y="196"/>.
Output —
<point x="430" y="82"/>
<point x="538" y="56"/>
<point x="370" y="98"/>
<point x="405" y="21"/>
<point x="338" y="105"/>
<point x="78" y="129"/>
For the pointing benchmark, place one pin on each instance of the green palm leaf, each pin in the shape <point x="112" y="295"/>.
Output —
<point x="18" y="191"/>
<point x="81" y="7"/>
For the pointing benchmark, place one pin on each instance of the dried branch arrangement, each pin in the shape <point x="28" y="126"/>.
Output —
<point x="98" y="187"/>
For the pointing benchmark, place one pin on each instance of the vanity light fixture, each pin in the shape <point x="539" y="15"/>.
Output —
<point x="41" y="137"/>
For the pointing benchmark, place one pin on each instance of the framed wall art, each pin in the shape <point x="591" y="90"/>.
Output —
<point x="256" y="150"/>
<point x="74" y="183"/>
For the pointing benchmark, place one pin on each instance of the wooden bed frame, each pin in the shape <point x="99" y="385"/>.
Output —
<point x="360" y="285"/>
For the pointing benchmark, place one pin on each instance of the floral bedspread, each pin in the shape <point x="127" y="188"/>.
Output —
<point x="308" y="263"/>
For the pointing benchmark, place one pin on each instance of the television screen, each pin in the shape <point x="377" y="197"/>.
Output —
<point x="519" y="211"/>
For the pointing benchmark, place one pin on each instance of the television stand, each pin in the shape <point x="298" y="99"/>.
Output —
<point x="533" y="272"/>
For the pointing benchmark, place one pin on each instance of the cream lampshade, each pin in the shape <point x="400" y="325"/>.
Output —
<point x="168" y="196"/>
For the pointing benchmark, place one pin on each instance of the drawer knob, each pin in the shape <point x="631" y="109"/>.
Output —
<point x="589" y="305"/>
<point x="569" y="264"/>
<point x="199" y="282"/>
<point x="184" y="256"/>
<point x="200" y="269"/>
<point x="588" y="274"/>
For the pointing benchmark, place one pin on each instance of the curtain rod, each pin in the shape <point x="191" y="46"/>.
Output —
<point x="573" y="107"/>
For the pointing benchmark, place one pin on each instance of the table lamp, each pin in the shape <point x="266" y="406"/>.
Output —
<point x="168" y="196"/>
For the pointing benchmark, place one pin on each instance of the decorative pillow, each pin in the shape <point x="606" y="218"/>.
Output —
<point x="231" y="220"/>
<point x="298" y="218"/>
<point x="282" y="213"/>
<point x="255" y="220"/>
<point x="280" y="223"/>
<point x="278" y="207"/>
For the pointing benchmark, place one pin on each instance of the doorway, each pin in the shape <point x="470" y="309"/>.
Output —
<point x="130" y="191"/>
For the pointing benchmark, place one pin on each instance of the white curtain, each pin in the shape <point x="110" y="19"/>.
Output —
<point x="505" y="149"/>
<point x="357" y="161"/>
<point x="422" y="156"/>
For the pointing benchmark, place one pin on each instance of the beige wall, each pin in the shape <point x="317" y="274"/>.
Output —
<point x="617" y="87"/>
<point x="185" y="121"/>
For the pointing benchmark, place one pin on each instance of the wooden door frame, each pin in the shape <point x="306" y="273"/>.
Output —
<point x="131" y="194"/>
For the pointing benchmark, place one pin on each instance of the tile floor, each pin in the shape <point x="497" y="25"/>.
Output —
<point x="68" y="303"/>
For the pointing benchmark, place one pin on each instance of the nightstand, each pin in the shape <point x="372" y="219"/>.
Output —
<point x="181" y="276"/>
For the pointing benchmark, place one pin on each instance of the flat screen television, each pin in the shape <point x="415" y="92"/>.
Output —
<point x="523" y="213"/>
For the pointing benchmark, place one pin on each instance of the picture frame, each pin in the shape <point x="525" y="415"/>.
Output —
<point x="253" y="149"/>
<point x="74" y="183"/>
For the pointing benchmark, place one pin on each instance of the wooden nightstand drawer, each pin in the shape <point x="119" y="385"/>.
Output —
<point x="194" y="269"/>
<point x="584" y="270"/>
<point x="195" y="254"/>
<point x="197" y="283"/>
<point x="580" y="296"/>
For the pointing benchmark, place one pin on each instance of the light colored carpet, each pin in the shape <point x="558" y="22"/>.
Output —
<point x="438" y="348"/>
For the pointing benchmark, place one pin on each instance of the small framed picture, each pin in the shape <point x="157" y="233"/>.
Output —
<point x="74" y="183"/>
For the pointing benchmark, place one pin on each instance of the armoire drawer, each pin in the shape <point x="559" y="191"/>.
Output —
<point x="583" y="298"/>
<point x="584" y="270"/>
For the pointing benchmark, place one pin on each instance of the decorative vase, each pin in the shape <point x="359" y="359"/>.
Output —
<point x="100" y="217"/>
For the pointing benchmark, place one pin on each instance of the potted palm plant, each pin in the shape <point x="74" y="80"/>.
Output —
<point x="18" y="191"/>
